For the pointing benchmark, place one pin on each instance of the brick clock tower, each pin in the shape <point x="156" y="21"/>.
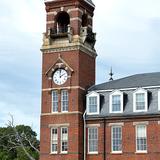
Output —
<point x="68" y="70"/>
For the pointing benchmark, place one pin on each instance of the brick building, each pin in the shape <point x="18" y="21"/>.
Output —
<point x="119" y="119"/>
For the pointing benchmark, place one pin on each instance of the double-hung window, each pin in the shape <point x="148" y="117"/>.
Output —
<point x="93" y="99"/>
<point x="140" y="102"/>
<point x="64" y="140"/>
<point x="64" y="100"/>
<point x="54" y="101"/>
<point x="116" y="139"/>
<point x="141" y="138"/>
<point x="54" y="140"/>
<point x="93" y="104"/>
<point x="93" y="140"/>
<point x="116" y="102"/>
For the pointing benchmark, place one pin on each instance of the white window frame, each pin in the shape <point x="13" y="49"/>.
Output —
<point x="64" y="152"/>
<point x="97" y="95"/>
<point x="62" y="100"/>
<point x="139" y="91"/>
<point x="55" y="101"/>
<point x="116" y="126"/>
<point x="141" y="151"/>
<point x="159" y="100"/>
<point x="116" y="93"/>
<point x="54" y="152"/>
<point x="92" y="152"/>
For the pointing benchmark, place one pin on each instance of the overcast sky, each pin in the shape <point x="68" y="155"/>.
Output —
<point x="128" y="37"/>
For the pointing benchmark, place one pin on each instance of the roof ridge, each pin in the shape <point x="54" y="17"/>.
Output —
<point x="131" y="80"/>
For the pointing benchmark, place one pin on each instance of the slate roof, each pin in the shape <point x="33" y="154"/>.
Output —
<point x="129" y="85"/>
<point x="134" y="81"/>
<point x="90" y="1"/>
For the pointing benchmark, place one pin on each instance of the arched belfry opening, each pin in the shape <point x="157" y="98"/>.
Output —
<point x="84" y="20"/>
<point x="62" y="22"/>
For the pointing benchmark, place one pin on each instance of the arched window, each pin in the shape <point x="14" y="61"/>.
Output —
<point x="63" y="20"/>
<point x="84" y="20"/>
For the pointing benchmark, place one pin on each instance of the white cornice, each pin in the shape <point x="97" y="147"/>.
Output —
<point x="126" y="89"/>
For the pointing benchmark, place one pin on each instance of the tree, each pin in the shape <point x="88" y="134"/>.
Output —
<point x="18" y="142"/>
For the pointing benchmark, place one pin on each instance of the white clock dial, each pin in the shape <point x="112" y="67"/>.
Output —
<point x="60" y="76"/>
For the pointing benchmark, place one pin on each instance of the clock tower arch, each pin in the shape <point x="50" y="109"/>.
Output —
<point x="68" y="70"/>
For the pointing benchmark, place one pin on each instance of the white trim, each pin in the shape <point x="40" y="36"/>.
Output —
<point x="141" y="123"/>
<point x="94" y="152"/>
<point x="60" y="113"/>
<point x="54" y="112"/>
<point x="116" y="93"/>
<point x="127" y="89"/>
<point x="93" y="125"/>
<point x="74" y="9"/>
<point x="141" y="151"/>
<point x="76" y="18"/>
<point x="62" y="94"/>
<point x="52" y="13"/>
<point x="50" y="22"/>
<point x="140" y="90"/>
<point x="116" y="124"/>
<point x="93" y="94"/>
<point x="61" y="88"/>
<point x="51" y="152"/>
<point x="159" y="100"/>
<point x="116" y="152"/>
<point x="158" y="122"/>
<point x="58" y="125"/>
<point x="64" y="152"/>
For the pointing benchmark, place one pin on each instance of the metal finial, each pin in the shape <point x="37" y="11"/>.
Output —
<point x="111" y="75"/>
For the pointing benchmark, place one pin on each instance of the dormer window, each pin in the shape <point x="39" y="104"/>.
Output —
<point x="93" y="103"/>
<point x="116" y="102"/>
<point x="140" y="101"/>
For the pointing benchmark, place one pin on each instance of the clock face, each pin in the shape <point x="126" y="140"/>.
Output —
<point x="60" y="76"/>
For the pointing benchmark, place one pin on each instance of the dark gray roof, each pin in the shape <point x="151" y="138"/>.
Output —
<point x="90" y="1"/>
<point x="134" y="81"/>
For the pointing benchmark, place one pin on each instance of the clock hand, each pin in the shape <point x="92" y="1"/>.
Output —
<point x="62" y="75"/>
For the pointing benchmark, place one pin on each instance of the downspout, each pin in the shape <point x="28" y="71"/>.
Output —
<point x="104" y="139"/>
<point x="84" y="140"/>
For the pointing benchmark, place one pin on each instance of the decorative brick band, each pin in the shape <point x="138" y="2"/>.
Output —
<point x="116" y="124"/>
<point x="60" y="88"/>
<point x="93" y="125"/>
<point x="58" y="125"/>
<point x="61" y="113"/>
<point x="139" y="123"/>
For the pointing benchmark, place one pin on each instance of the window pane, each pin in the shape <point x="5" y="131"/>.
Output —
<point x="92" y="104"/>
<point x="116" y="103"/>
<point x="54" y="101"/>
<point x="54" y="140"/>
<point x="141" y="138"/>
<point x="64" y="139"/>
<point x="64" y="100"/>
<point x="140" y="101"/>
<point x="116" y="138"/>
<point x="93" y="139"/>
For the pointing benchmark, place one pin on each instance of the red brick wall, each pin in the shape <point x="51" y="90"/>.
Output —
<point x="129" y="142"/>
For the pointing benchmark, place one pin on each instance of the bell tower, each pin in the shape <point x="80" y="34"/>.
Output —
<point x="68" y="69"/>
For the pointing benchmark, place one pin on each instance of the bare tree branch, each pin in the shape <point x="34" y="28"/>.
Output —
<point x="16" y="140"/>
